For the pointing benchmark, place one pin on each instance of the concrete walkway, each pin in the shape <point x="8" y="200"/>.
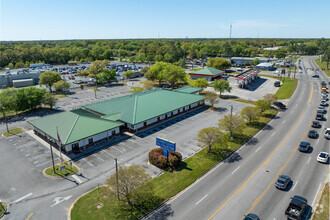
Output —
<point x="45" y="144"/>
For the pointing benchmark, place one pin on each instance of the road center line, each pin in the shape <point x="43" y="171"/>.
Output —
<point x="29" y="216"/>
<point x="309" y="160"/>
<point x="295" y="185"/>
<point x="24" y="197"/>
<point x="201" y="199"/>
<point x="235" y="170"/>
<point x="258" y="149"/>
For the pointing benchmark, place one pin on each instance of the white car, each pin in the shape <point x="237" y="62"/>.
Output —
<point x="327" y="133"/>
<point x="323" y="157"/>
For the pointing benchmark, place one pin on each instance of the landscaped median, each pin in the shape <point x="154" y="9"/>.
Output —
<point x="167" y="185"/>
<point x="322" y="211"/>
<point x="62" y="169"/>
<point x="287" y="88"/>
<point x="13" y="131"/>
<point x="323" y="66"/>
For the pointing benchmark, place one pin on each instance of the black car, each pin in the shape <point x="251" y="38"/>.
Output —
<point x="316" y="124"/>
<point x="319" y="116"/>
<point x="304" y="146"/>
<point x="282" y="182"/>
<point x="280" y="105"/>
<point x="312" y="134"/>
<point x="251" y="216"/>
<point x="277" y="83"/>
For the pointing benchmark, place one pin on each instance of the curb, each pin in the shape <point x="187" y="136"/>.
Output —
<point x="57" y="177"/>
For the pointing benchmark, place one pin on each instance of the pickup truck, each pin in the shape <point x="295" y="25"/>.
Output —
<point x="327" y="133"/>
<point x="296" y="207"/>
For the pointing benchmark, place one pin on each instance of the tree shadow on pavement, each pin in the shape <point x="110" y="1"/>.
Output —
<point x="163" y="212"/>
<point x="235" y="157"/>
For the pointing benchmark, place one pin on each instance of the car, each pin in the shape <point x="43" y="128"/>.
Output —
<point x="319" y="116"/>
<point x="323" y="103"/>
<point x="316" y="124"/>
<point x="251" y="216"/>
<point x="312" y="134"/>
<point x="324" y="99"/>
<point x="327" y="133"/>
<point x="277" y="83"/>
<point x="316" y="76"/>
<point x="240" y="69"/>
<point x="304" y="146"/>
<point x="280" y="105"/>
<point x="282" y="182"/>
<point x="323" y="157"/>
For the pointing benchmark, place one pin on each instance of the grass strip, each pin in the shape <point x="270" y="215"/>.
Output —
<point x="323" y="66"/>
<point x="168" y="184"/>
<point x="287" y="88"/>
<point x="322" y="211"/>
<point x="13" y="131"/>
<point x="136" y="89"/>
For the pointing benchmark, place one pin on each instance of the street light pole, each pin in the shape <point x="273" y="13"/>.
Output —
<point x="4" y="115"/>
<point x="95" y="83"/>
<point x="51" y="152"/>
<point x="117" y="178"/>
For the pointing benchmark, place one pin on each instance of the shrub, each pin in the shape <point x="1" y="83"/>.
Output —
<point x="157" y="158"/>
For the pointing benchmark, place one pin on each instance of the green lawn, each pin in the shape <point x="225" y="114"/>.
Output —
<point x="58" y="172"/>
<point x="287" y="88"/>
<point x="13" y="132"/>
<point x="168" y="184"/>
<point x="323" y="66"/>
<point x="136" y="89"/>
<point x="322" y="211"/>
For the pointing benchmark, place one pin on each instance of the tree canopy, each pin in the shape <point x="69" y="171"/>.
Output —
<point x="49" y="78"/>
<point x="250" y="113"/>
<point x="221" y="86"/>
<point x="231" y="123"/>
<point x="218" y="63"/>
<point x="201" y="83"/>
<point x="209" y="136"/>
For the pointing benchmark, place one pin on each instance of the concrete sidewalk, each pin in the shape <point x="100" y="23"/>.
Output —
<point x="45" y="144"/>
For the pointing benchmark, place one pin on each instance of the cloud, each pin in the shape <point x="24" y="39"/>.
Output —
<point x="257" y="24"/>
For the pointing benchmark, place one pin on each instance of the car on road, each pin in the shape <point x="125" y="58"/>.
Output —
<point x="296" y="207"/>
<point x="312" y="134"/>
<point x="280" y="105"/>
<point x="319" y="116"/>
<point x="282" y="182"/>
<point x="323" y="157"/>
<point x="316" y="76"/>
<point x="304" y="146"/>
<point x="251" y="216"/>
<point x="327" y="133"/>
<point x="323" y="103"/>
<point x="321" y="109"/>
<point x="324" y="99"/>
<point x="277" y="83"/>
<point x="316" y="124"/>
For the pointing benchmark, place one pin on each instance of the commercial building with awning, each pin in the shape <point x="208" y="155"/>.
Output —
<point x="208" y="73"/>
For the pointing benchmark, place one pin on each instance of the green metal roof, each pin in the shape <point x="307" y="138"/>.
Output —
<point x="188" y="89"/>
<point x="73" y="125"/>
<point x="142" y="106"/>
<point x="208" y="71"/>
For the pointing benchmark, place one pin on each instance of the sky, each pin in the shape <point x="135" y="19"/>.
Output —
<point x="122" y="19"/>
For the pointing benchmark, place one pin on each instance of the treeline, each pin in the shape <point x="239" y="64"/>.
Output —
<point x="21" y="54"/>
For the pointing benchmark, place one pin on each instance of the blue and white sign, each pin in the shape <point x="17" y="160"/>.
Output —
<point x="62" y="167"/>
<point x="166" y="144"/>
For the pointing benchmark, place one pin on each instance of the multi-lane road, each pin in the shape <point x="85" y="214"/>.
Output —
<point x="244" y="183"/>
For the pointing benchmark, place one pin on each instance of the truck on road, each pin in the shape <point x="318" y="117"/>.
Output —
<point x="296" y="207"/>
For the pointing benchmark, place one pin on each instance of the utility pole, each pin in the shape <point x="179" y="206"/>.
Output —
<point x="117" y="178"/>
<point x="231" y="118"/>
<point x="51" y="152"/>
<point x="4" y="115"/>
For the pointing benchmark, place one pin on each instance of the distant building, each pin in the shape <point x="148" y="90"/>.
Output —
<point x="72" y="63"/>
<point x="266" y="66"/>
<point x="37" y="65"/>
<point x="208" y="73"/>
<point x="239" y="61"/>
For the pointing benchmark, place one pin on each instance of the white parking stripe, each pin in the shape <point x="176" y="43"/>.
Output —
<point x="98" y="157"/>
<point x="108" y="153"/>
<point x="39" y="165"/>
<point x="88" y="162"/>
<point x="117" y="149"/>
<point x="309" y="159"/>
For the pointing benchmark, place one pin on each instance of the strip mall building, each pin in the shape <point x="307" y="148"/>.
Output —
<point x="100" y="121"/>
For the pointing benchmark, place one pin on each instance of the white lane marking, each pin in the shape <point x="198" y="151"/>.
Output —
<point x="235" y="170"/>
<point x="201" y="199"/>
<point x="283" y="121"/>
<point x="318" y="140"/>
<point x="316" y="193"/>
<point x="98" y="157"/>
<point x="35" y="162"/>
<point x="24" y="197"/>
<point x="58" y="200"/>
<point x="117" y="149"/>
<point x="108" y="153"/>
<point x="309" y="160"/>
<point x="76" y="178"/>
<point x="39" y="165"/>
<point x="295" y="185"/>
<point x="258" y="149"/>
<point x="129" y="147"/>
<point x="273" y="133"/>
<point x="88" y="162"/>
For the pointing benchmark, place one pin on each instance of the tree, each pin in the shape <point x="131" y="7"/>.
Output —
<point x="209" y="136"/>
<point x="156" y="72"/>
<point x="211" y="97"/>
<point x="130" y="179"/>
<point x="174" y="74"/>
<point x="61" y="86"/>
<point x="128" y="73"/>
<point x="106" y="76"/>
<point x="221" y="86"/>
<point x="49" y="78"/>
<point x="7" y="99"/>
<point x="49" y="100"/>
<point x="256" y="61"/>
<point x="326" y="57"/>
<point x="147" y="84"/>
<point x="96" y="67"/>
<point x="263" y="105"/>
<point x="250" y="113"/>
<point x="218" y="63"/>
<point x="144" y="70"/>
<point x="201" y="83"/>
<point x="231" y="123"/>
<point x="270" y="98"/>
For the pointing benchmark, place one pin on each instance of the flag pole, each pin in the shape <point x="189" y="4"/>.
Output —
<point x="59" y="140"/>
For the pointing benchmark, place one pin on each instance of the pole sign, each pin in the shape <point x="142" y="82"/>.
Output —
<point x="165" y="144"/>
<point x="165" y="153"/>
